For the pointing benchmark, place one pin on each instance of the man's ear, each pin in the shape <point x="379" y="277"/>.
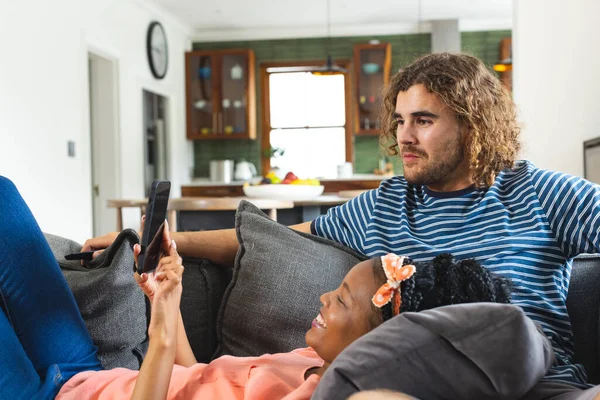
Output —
<point x="465" y="129"/>
<point x="466" y="136"/>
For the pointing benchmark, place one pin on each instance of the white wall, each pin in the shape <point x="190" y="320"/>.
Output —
<point x="445" y="36"/>
<point x="232" y="33"/>
<point x="44" y="101"/>
<point x="556" y="79"/>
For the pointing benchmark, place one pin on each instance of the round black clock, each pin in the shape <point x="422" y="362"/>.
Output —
<point x="156" y="46"/>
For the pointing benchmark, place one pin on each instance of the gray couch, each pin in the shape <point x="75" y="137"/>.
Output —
<point x="276" y="282"/>
<point x="200" y="308"/>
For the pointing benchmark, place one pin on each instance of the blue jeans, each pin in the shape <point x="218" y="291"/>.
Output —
<point x="43" y="339"/>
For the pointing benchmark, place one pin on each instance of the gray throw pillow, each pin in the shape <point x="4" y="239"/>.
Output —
<point x="109" y="300"/>
<point x="466" y="351"/>
<point x="278" y="277"/>
<point x="204" y="284"/>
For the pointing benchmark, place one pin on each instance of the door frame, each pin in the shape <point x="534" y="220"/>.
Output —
<point x="112" y="179"/>
<point x="167" y="127"/>
<point x="171" y="105"/>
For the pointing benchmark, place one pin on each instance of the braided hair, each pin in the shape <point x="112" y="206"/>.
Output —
<point x="444" y="281"/>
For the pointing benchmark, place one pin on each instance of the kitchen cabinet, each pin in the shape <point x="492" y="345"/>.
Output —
<point x="506" y="54"/>
<point x="220" y="94"/>
<point x="372" y="63"/>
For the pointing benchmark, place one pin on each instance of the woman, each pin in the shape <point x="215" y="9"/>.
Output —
<point x="47" y="351"/>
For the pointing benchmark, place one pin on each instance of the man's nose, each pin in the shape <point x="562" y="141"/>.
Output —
<point x="405" y="134"/>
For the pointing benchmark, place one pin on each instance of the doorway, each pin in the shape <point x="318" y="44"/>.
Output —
<point x="104" y="140"/>
<point x="155" y="139"/>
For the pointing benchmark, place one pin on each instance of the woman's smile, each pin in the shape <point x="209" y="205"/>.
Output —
<point x="319" y="322"/>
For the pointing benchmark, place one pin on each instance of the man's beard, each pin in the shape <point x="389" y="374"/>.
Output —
<point x="436" y="171"/>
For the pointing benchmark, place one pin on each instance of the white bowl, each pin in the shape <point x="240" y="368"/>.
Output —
<point x="284" y="192"/>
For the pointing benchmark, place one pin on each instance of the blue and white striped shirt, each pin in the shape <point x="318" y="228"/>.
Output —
<point x="527" y="227"/>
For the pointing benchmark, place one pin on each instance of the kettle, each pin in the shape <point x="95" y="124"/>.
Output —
<point x="221" y="171"/>
<point x="244" y="171"/>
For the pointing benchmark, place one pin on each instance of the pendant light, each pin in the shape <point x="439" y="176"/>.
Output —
<point x="329" y="68"/>
<point x="504" y="65"/>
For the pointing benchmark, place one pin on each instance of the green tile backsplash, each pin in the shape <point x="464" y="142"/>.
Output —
<point x="206" y="150"/>
<point x="405" y="48"/>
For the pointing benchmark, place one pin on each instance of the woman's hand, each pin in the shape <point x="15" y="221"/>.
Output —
<point x="163" y="288"/>
<point x="165" y="295"/>
<point x="147" y="281"/>
<point x="166" y="331"/>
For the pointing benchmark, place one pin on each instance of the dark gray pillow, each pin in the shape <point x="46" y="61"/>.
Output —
<point x="278" y="277"/>
<point x="204" y="284"/>
<point x="109" y="300"/>
<point x="467" y="351"/>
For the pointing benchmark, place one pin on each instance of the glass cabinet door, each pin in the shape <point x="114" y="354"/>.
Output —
<point x="234" y="92"/>
<point x="220" y="94"/>
<point x="372" y="68"/>
<point x="202" y="107"/>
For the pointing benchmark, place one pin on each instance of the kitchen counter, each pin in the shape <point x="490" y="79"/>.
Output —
<point x="355" y="177"/>
<point x="203" y="187"/>
<point x="197" y="204"/>
<point x="323" y="200"/>
<point x="200" y="213"/>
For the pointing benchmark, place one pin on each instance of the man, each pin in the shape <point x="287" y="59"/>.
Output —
<point x="463" y="192"/>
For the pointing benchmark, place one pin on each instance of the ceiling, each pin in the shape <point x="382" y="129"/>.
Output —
<point x="210" y="16"/>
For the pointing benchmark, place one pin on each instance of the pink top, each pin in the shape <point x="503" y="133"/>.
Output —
<point x="271" y="376"/>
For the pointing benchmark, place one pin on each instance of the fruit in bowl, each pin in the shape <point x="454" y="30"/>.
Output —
<point x="289" y="188"/>
<point x="290" y="179"/>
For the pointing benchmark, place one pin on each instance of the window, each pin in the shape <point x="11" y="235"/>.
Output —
<point x="307" y="118"/>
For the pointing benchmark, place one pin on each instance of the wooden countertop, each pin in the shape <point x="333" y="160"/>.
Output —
<point x="204" y="203"/>
<point x="353" y="178"/>
<point x="198" y="204"/>
<point x="229" y="203"/>
<point x="323" y="200"/>
<point x="332" y="187"/>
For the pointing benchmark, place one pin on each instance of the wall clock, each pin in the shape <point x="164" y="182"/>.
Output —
<point x="158" y="52"/>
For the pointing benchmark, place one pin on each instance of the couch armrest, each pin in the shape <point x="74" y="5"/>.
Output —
<point x="203" y="286"/>
<point x="583" y="305"/>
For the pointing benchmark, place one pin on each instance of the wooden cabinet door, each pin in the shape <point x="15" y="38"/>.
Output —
<point x="221" y="98"/>
<point x="372" y="64"/>
<point x="201" y="104"/>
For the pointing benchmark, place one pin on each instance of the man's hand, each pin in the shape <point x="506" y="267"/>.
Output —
<point x="100" y="243"/>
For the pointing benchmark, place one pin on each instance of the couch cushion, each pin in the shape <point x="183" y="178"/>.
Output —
<point x="278" y="277"/>
<point x="583" y="304"/>
<point x="203" y="286"/>
<point x="466" y="351"/>
<point x="109" y="300"/>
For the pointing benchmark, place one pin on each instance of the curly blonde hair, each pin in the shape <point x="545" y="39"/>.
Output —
<point x="477" y="98"/>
